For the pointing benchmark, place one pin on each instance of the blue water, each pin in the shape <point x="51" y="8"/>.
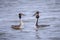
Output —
<point x="49" y="14"/>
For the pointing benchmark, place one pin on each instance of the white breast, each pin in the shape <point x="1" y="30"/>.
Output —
<point x="21" y="23"/>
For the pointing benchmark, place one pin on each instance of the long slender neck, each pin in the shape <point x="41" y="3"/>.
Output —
<point x="37" y="22"/>
<point x="20" y="22"/>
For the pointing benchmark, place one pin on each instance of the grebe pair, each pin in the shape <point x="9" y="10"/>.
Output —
<point x="37" y="17"/>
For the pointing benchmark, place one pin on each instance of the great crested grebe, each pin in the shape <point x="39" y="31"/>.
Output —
<point x="20" y="25"/>
<point x="37" y="17"/>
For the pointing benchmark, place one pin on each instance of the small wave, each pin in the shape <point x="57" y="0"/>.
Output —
<point x="51" y="18"/>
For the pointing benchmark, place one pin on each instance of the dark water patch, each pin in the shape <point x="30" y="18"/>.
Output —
<point x="2" y="33"/>
<point x="9" y="5"/>
<point x="1" y="3"/>
<point x="54" y="10"/>
<point x="55" y="38"/>
<point x="5" y="5"/>
<point x="4" y="39"/>
<point x="6" y="36"/>
<point x="2" y="36"/>
<point x="51" y="19"/>
<point x="12" y="0"/>
<point x="1" y="7"/>
<point x="56" y="31"/>
<point x="57" y="25"/>
<point x="57" y="3"/>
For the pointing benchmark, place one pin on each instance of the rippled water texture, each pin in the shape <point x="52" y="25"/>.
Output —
<point x="49" y="15"/>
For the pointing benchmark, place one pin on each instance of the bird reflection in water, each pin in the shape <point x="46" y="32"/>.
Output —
<point x="37" y="34"/>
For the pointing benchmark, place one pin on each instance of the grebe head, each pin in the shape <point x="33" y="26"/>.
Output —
<point x="20" y="14"/>
<point x="37" y="12"/>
